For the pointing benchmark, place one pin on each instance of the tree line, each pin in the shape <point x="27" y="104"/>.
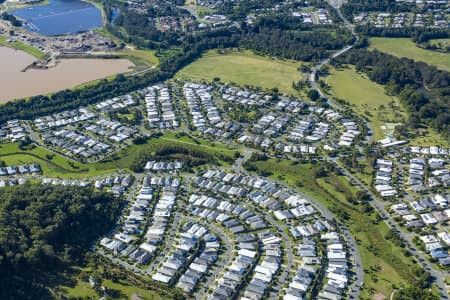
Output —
<point x="423" y="89"/>
<point x="299" y="44"/>
<point x="10" y="18"/>
<point x="190" y="155"/>
<point x="44" y="229"/>
<point x="418" y="35"/>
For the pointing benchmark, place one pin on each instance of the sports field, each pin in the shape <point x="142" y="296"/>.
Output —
<point x="404" y="47"/>
<point x="244" y="68"/>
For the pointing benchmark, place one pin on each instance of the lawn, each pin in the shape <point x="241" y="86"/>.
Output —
<point x="21" y="46"/>
<point x="365" y="97"/>
<point x="244" y="68"/>
<point x="383" y="262"/>
<point x="404" y="47"/>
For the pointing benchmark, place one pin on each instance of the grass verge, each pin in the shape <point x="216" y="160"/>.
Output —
<point x="23" y="47"/>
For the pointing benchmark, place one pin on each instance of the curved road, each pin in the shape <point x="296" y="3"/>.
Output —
<point x="357" y="265"/>
<point x="376" y="203"/>
<point x="379" y="206"/>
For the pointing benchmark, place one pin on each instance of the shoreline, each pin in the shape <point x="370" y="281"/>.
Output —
<point x="67" y="73"/>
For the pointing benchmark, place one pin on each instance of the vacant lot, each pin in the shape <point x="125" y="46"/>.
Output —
<point x="404" y="47"/>
<point x="244" y="68"/>
<point x="366" y="98"/>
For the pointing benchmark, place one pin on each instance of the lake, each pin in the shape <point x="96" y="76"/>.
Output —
<point x="60" y="17"/>
<point x="68" y="73"/>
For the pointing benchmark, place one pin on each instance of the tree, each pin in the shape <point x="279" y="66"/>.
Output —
<point x="313" y="95"/>
<point x="45" y="228"/>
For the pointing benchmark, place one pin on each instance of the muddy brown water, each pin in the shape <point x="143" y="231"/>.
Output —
<point x="15" y="84"/>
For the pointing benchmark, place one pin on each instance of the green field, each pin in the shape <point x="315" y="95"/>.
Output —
<point x="141" y="58"/>
<point x="21" y="46"/>
<point x="244" y="68"/>
<point x="57" y="166"/>
<point x="119" y="290"/>
<point x="73" y="285"/>
<point x="442" y="42"/>
<point x="365" y="98"/>
<point x="369" y="99"/>
<point x="383" y="261"/>
<point x="53" y="165"/>
<point x="404" y="47"/>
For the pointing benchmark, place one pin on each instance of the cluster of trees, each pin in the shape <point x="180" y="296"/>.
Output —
<point x="189" y="155"/>
<point x="418" y="35"/>
<point x="440" y="47"/>
<point x="427" y="35"/>
<point x="140" y="27"/>
<point x="271" y="36"/>
<point x="418" y="289"/>
<point x="72" y="99"/>
<point x="12" y="19"/>
<point x="306" y="44"/>
<point x="44" y="228"/>
<point x="141" y="31"/>
<point x="423" y="89"/>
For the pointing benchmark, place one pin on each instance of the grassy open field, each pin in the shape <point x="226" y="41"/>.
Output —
<point x="442" y="42"/>
<point x="369" y="99"/>
<point x="243" y="68"/>
<point x="54" y="165"/>
<point x="74" y="286"/>
<point x="404" y="47"/>
<point x="383" y="261"/>
<point x="118" y="290"/>
<point x="141" y="58"/>
<point x="365" y="97"/>
<point x="21" y="46"/>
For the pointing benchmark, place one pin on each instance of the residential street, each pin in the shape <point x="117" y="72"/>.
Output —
<point x="379" y="205"/>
